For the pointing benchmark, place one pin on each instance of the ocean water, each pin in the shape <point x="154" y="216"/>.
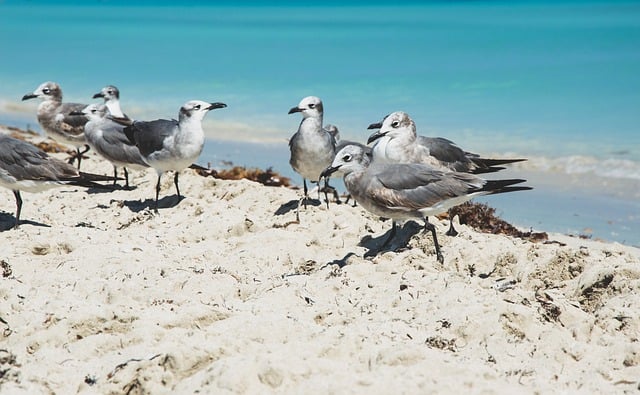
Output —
<point x="554" y="81"/>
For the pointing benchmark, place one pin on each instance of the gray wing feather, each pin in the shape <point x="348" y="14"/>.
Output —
<point x="23" y="161"/>
<point x="149" y="136"/>
<point x="72" y="124"/>
<point x="416" y="186"/>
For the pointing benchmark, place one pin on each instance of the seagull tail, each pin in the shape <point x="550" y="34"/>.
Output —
<point x="503" y="186"/>
<point x="90" y="180"/>
<point x="487" y="165"/>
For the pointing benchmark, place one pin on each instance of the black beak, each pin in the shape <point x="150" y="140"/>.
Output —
<point x="76" y="113"/>
<point x="29" y="96"/>
<point x="97" y="95"/>
<point x="329" y="171"/>
<point x="376" y="125"/>
<point x="295" y="109"/>
<point x="375" y="136"/>
<point x="213" y="106"/>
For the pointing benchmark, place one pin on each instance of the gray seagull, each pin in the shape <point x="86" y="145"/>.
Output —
<point x="170" y="145"/>
<point x="312" y="147"/>
<point x="55" y="119"/>
<point x="107" y="138"/>
<point x="23" y="167"/>
<point x="408" y="191"/>
<point x="398" y="142"/>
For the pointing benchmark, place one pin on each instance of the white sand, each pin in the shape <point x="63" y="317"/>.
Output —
<point x="219" y="295"/>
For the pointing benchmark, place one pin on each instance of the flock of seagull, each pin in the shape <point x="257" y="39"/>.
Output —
<point x="401" y="176"/>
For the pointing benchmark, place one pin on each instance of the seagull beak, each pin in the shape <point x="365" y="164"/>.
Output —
<point x="376" y="136"/>
<point x="295" y="109"/>
<point x="29" y="96"/>
<point x="329" y="171"/>
<point x="213" y="106"/>
<point x="376" y="125"/>
<point x="97" y="95"/>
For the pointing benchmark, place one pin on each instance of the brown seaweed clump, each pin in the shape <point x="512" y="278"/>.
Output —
<point x="266" y="177"/>
<point x="482" y="217"/>
<point x="48" y="146"/>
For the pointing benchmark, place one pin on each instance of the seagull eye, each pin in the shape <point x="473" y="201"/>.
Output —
<point x="312" y="105"/>
<point x="197" y="106"/>
<point x="46" y="91"/>
<point x="347" y="158"/>
<point x="395" y="124"/>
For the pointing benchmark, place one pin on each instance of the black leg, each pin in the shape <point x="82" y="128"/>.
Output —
<point x="157" y="192"/>
<point x="86" y="149"/>
<point x="175" y="181"/>
<point x="452" y="231"/>
<point x="430" y="227"/>
<point x="326" y="187"/>
<point x="306" y="194"/>
<point x="115" y="175"/>
<point x="18" y="208"/>
<point x="392" y="234"/>
<point x="126" y="178"/>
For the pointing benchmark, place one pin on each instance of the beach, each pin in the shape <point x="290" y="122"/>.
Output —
<point x="224" y="292"/>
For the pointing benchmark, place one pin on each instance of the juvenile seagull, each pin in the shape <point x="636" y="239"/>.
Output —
<point x="312" y="147"/>
<point x="108" y="139"/>
<point x="406" y="191"/>
<point x="55" y="119"/>
<point x="23" y="167"/>
<point x="169" y="144"/>
<point x="111" y="96"/>
<point x="398" y="142"/>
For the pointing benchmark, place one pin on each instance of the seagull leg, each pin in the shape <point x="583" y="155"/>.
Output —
<point x="430" y="227"/>
<point x="326" y="187"/>
<point x="115" y="175"/>
<point x="126" y="178"/>
<point x="157" y="192"/>
<point x="304" y="200"/>
<point x="18" y="208"/>
<point x="175" y="181"/>
<point x="392" y="234"/>
<point x="452" y="231"/>
<point x="79" y="154"/>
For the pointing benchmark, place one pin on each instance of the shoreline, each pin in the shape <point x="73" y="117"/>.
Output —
<point x="217" y="293"/>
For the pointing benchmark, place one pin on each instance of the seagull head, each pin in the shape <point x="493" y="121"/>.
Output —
<point x="349" y="159"/>
<point x="109" y="92"/>
<point x="395" y="125"/>
<point x="310" y="106"/>
<point x="92" y="111"/>
<point x="197" y="109"/>
<point x="47" y="91"/>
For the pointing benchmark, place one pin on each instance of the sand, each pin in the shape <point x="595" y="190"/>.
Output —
<point x="218" y="294"/>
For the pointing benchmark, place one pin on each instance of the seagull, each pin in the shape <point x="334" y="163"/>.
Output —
<point x="108" y="139"/>
<point x="111" y="96"/>
<point x="398" y="142"/>
<point x="312" y="147"/>
<point x="24" y="167"/>
<point x="169" y="144"/>
<point x="406" y="191"/>
<point x="55" y="119"/>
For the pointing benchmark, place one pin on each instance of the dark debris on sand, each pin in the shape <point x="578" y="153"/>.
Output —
<point x="48" y="146"/>
<point x="266" y="177"/>
<point x="483" y="218"/>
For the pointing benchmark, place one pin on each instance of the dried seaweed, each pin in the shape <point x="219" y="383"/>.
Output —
<point x="266" y="177"/>
<point x="483" y="218"/>
<point x="49" y="146"/>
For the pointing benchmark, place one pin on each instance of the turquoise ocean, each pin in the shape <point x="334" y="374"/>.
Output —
<point x="557" y="82"/>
